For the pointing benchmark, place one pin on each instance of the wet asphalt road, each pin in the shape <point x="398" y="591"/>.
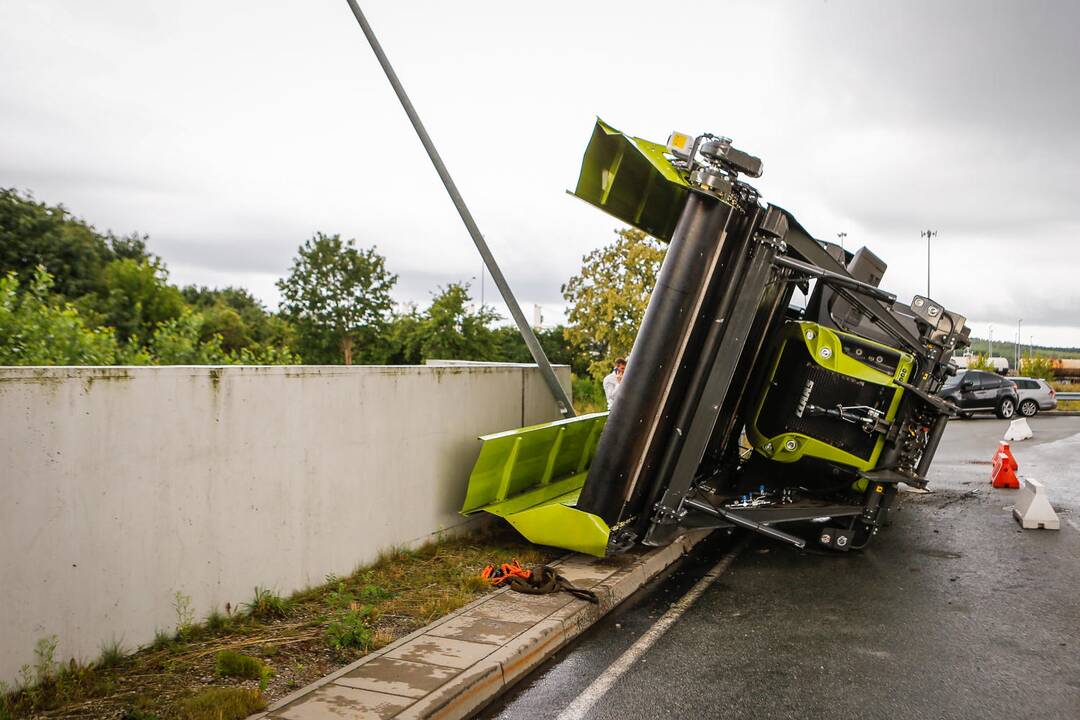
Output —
<point x="952" y="612"/>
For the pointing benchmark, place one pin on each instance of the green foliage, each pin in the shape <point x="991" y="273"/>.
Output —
<point x="34" y="234"/>
<point x="217" y="621"/>
<point x="588" y="394"/>
<point x="980" y="362"/>
<point x="453" y="329"/>
<point x="337" y="295"/>
<point x="371" y="593"/>
<point x="135" y="297"/>
<point x="112" y="654"/>
<point x="511" y="347"/>
<point x="163" y="641"/>
<point x="36" y="328"/>
<point x="222" y="704"/>
<point x="242" y="322"/>
<point x="608" y="298"/>
<point x="351" y="630"/>
<point x="340" y="598"/>
<point x="185" y="615"/>
<point x="45" y="665"/>
<point x="1037" y="367"/>
<point x="266" y="604"/>
<point x="236" y="665"/>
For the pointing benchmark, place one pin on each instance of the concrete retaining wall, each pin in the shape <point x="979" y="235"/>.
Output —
<point x="121" y="486"/>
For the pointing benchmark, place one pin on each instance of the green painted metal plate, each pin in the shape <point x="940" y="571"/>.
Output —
<point x="532" y="477"/>
<point x="632" y="179"/>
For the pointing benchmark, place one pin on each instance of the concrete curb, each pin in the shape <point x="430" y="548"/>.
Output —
<point x="455" y="666"/>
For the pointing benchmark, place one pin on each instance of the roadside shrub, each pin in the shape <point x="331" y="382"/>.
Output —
<point x="1037" y="367"/>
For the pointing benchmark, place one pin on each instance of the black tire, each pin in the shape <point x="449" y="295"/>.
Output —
<point x="1006" y="408"/>
<point x="1029" y="408"/>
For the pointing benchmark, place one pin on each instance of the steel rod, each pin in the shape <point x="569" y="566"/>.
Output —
<point x="526" y="331"/>
<point x="736" y="519"/>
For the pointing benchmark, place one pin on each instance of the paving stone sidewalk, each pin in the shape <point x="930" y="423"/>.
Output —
<point x="456" y="665"/>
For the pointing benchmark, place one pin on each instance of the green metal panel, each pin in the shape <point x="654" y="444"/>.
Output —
<point x="532" y="477"/>
<point x="806" y="446"/>
<point x="632" y="179"/>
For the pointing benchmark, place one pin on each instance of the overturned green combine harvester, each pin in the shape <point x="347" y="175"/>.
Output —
<point x="739" y="409"/>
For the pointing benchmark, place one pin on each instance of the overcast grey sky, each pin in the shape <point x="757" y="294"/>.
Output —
<point x="231" y="131"/>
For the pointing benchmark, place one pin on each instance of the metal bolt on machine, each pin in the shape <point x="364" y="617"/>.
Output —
<point x="739" y="408"/>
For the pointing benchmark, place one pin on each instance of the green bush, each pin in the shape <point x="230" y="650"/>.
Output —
<point x="1037" y="367"/>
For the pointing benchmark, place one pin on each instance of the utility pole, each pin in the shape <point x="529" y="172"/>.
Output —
<point x="990" y="344"/>
<point x="928" y="234"/>
<point x="841" y="235"/>
<point x="546" y="371"/>
<point x="1018" y="321"/>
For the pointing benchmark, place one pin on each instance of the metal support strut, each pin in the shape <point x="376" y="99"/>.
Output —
<point x="489" y="260"/>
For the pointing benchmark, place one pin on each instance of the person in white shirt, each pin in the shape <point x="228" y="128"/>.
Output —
<point x="613" y="381"/>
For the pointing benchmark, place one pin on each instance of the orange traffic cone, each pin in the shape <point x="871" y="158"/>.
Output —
<point x="1003" y="447"/>
<point x="1005" y="466"/>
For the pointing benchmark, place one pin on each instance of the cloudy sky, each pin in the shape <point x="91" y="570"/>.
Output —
<point x="230" y="132"/>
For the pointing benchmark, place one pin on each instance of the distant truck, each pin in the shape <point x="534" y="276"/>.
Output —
<point x="1067" y="369"/>
<point x="1000" y="364"/>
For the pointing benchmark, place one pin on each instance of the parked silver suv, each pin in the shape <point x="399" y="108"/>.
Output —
<point x="1035" y="395"/>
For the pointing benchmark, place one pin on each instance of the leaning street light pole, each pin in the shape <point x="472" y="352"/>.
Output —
<point x="526" y="331"/>
<point x="928" y="234"/>
<point x="841" y="235"/>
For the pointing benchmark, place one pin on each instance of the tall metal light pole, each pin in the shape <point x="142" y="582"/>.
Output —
<point x="841" y="235"/>
<point x="1018" y="321"/>
<point x="928" y="234"/>
<point x="546" y="371"/>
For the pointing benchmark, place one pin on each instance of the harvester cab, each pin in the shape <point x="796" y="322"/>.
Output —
<point x="738" y="407"/>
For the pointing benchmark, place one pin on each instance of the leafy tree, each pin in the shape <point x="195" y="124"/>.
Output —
<point x="608" y="298"/>
<point x="34" y="234"/>
<point x="337" y="294"/>
<point x="37" y="329"/>
<point x="134" y="297"/>
<point x="980" y="362"/>
<point x="183" y="341"/>
<point x="401" y="339"/>
<point x="511" y="347"/>
<point x="1037" y="367"/>
<point x="453" y="329"/>
<point x="179" y="342"/>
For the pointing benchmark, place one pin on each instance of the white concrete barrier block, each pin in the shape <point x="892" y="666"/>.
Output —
<point x="1032" y="509"/>
<point x="1018" y="430"/>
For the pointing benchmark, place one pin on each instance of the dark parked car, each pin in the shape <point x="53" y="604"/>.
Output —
<point x="1035" y="395"/>
<point x="980" y="391"/>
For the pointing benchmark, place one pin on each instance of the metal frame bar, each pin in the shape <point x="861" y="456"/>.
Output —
<point x="526" y="331"/>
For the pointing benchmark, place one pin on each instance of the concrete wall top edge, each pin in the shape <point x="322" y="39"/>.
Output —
<point x="124" y="372"/>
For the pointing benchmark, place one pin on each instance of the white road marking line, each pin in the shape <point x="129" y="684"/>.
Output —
<point x="1074" y="525"/>
<point x="600" y="686"/>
